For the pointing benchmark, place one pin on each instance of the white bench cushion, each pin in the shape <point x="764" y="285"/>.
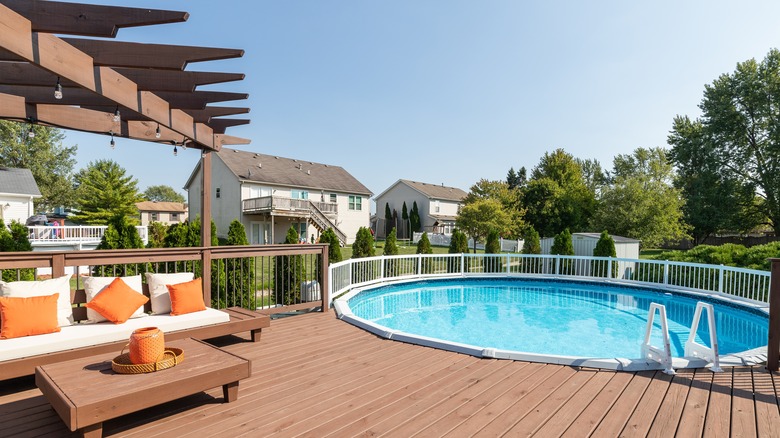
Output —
<point x="86" y="335"/>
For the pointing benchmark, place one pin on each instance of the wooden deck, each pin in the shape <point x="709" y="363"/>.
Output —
<point x="316" y="376"/>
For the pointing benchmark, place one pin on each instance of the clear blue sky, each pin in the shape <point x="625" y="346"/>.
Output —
<point x="451" y="91"/>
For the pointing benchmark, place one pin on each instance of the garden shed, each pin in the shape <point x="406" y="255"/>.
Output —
<point x="584" y="243"/>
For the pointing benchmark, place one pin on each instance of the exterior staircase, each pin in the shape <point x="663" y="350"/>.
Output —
<point x="323" y="222"/>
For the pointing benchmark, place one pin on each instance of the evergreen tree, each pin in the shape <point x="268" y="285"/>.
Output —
<point x="391" y="247"/>
<point x="104" y="191"/>
<point x="240" y="287"/>
<point x="290" y="272"/>
<point x="388" y="219"/>
<point x="120" y="234"/>
<point x="405" y="216"/>
<point x="424" y="245"/>
<point x="605" y="247"/>
<point x="334" y="246"/>
<point x="157" y="233"/>
<point x="493" y="246"/>
<point x="414" y="218"/>
<point x="15" y="239"/>
<point x="531" y="244"/>
<point x="363" y="245"/>
<point x="562" y="245"/>
<point x="459" y="244"/>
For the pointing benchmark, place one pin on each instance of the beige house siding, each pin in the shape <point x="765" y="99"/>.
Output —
<point x="16" y="208"/>
<point x="401" y="192"/>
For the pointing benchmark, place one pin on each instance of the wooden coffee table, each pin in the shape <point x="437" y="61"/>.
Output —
<point x="86" y="392"/>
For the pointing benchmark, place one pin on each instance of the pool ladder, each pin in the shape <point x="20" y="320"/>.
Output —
<point x="692" y="348"/>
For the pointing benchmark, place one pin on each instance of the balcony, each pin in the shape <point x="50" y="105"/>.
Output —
<point x="282" y="205"/>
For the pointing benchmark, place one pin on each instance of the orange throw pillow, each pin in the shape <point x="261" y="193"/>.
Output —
<point x="186" y="297"/>
<point x="28" y="316"/>
<point x="117" y="302"/>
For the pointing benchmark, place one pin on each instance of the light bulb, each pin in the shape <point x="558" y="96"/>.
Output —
<point x="175" y="151"/>
<point x="112" y="142"/>
<point x="117" y="116"/>
<point x="58" y="90"/>
<point x="157" y="132"/>
<point x="31" y="133"/>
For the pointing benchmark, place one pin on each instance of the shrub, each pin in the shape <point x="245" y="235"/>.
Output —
<point x="424" y="247"/>
<point x="363" y="245"/>
<point x="531" y="244"/>
<point x="334" y="246"/>
<point x="120" y="234"/>
<point x="492" y="246"/>
<point x="15" y="239"/>
<point x="605" y="247"/>
<point x="157" y="234"/>
<point x="239" y="283"/>
<point x="289" y="273"/>
<point x="459" y="244"/>
<point x="562" y="245"/>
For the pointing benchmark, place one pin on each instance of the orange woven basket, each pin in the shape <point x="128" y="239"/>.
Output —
<point x="146" y="345"/>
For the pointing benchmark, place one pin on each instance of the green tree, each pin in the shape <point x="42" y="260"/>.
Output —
<point x="49" y="161"/>
<point x="391" y="245"/>
<point x="388" y="219"/>
<point x="516" y="180"/>
<point x="642" y="203"/>
<point x="163" y="193"/>
<point x="334" y="245"/>
<point x="480" y="216"/>
<point x="240" y="289"/>
<point x="363" y="246"/>
<point x="531" y="243"/>
<point x="741" y="121"/>
<point x="289" y="274"/>
<point x="104" y="191"/>
<point x="715" y="198"/>
<point x="557" y="195"/>
<point x="509" y="199"/>
<point x="14" y="239"/>
<point x="121" y="233"/>
<point x="414" y="218"/>
<point x="492" y="246"/>
<point x="605" y="247"/>
<point x="424" y="245"/>
<point x="562" y="245"/>
<point x="459" y="244"/>
<point x="157" y="233"/>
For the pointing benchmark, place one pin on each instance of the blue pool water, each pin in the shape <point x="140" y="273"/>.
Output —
<point x="552" y="317"/>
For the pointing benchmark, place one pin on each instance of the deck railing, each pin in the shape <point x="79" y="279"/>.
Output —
<point x="270" y="278"/>
<point x="744" y="283"/>
<point x="69" y="234"/>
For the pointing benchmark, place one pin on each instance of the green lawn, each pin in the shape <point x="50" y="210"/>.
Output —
<point x="650" y="252"/>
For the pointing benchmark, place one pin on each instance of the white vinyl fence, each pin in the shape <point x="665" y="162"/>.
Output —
<point x="738" y="282"/>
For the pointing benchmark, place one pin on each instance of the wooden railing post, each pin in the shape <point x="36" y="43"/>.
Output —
<point x="325" y="283"/>
<point x="206" y="275"/>
<point x="773" y="342"/>
<point x="57" y="265"/>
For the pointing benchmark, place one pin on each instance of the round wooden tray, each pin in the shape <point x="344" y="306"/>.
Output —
<point x="170" y="358"/>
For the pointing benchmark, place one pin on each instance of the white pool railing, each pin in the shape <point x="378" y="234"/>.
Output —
<point x="744" y="284"/>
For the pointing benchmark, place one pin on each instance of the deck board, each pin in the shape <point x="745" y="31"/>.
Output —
<point x="316" y="376"/>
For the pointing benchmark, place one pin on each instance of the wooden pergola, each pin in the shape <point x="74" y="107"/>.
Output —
<point x="119" y="89"/>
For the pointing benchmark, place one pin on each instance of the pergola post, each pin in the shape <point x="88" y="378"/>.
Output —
<point x="773" y="343"/>
<point x="205" y="223"/>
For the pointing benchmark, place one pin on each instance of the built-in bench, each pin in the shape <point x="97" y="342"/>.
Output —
<point x="20" y="356"/>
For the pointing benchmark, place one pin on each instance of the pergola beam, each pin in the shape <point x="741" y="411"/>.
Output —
<point x="88" y="20"/>
<point x="64" y="60"/>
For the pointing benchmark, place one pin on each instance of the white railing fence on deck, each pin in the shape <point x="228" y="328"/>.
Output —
<point x="739" y="282"/>
<point x="74" y="234"/>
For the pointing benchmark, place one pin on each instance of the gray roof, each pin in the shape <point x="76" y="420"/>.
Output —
<point x="434" y="191"/>
<point x="18" y="181"/>
<point x="270" y="169"/>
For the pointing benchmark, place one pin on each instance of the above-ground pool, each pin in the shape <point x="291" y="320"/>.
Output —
<point x="549" y="317"/>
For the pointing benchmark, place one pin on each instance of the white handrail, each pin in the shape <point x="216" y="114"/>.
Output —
<point x="693" y="348"/>
<point x="651" y="352"/>
<point x="742" y="283"/>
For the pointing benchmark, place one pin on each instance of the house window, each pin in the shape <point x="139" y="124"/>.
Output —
<point x="333" y="198"/>
<point x="436" y="206"/>
<point x="299" y="194"/>
<point x="355" y="202"/>
<point x="154" y="217"/>
<point x="218" y="192"/>
<point x="175" y="217"/>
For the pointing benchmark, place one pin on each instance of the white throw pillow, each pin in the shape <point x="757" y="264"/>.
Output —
<point x="60" y="285"/>
<point x="94" y="285"/>
<point x="158" y="290"/>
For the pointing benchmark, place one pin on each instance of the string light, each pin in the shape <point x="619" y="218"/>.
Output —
<point x="112" y="142"/>
<point x="58" y="89"/>
<point x="175" y="151"/>
<point x="117" y="116"/>
<point x="30" y="132"/>
<point x="157" y="132"/>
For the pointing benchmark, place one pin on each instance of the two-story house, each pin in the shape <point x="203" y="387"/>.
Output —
<point x="18" y="190"/>
<point x="438" y="205"/>
<point x="270" y="194"/>
<point x="165" y="212"/>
